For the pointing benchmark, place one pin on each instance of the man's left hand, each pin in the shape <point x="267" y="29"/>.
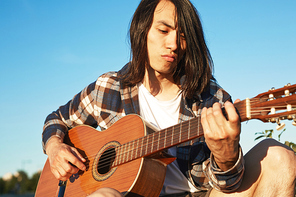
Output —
<point x="222" y="134"/>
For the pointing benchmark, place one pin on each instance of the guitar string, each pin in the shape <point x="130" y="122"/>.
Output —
<point x="132" y="150"/>
<point x="112" y="155"/>
<point x="134" y="156"/>
<point x="127" y="152"/>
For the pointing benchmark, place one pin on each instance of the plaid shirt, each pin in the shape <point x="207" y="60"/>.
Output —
<point x="106" y="100"/>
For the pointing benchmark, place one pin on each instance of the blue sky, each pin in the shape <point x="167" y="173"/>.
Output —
<point x="50" y="50"/>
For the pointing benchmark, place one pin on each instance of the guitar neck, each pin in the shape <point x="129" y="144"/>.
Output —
<point x="159" y="141"/>
<point x="166" y="138"/>
<point x="271" y="106"/>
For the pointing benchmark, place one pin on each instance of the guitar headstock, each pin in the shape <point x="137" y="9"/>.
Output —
<point x="271" y="106"/>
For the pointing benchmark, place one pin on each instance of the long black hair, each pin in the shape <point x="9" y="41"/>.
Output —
<point x="196" y="64"/>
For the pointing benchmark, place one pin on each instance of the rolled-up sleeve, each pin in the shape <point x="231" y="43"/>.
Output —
<point x="225" y="181"/>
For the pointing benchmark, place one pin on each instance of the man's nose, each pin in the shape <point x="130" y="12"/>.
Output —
<point x="171" y="41"/>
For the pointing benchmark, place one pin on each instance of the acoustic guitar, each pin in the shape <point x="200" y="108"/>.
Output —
<point x="129" y="156"/>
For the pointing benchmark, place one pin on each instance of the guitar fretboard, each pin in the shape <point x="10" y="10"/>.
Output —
<point x="158" y="141"/>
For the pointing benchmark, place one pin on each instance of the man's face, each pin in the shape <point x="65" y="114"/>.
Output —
<point x="162" y="40"/>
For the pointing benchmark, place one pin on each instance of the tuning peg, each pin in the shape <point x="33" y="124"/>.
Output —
<point x="280" y="125"/>
<point x="271" y="97"/>
<point x="288" y="84"/>
<point x="293" y="117"/>
<point x="294" y="120"/>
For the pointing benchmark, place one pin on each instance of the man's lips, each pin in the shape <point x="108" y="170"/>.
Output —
<point x="169" y="57"/>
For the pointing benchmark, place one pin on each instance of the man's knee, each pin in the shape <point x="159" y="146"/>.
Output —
<point x="279" y="153"/>
<point x="276" y="155"/>
<point x="106" y="192"/>
<point x="269" y="162"/>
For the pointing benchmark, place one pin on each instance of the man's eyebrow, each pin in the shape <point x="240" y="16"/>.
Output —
<point x="165" y="23"/>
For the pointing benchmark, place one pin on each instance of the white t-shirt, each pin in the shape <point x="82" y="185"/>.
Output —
<point x="163" y="114"/>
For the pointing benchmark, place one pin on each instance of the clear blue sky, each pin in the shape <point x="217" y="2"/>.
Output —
<point x="50" y="50"/>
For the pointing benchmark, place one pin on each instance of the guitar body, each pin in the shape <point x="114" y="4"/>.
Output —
<point x="139" y="177"/>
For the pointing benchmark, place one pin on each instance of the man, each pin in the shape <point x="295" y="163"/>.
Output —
<point x="169" y="80"/>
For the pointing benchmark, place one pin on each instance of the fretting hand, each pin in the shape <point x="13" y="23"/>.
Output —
<point x="222" y="135"/>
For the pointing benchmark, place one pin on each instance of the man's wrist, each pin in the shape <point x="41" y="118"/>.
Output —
<point x="53" y="141"/>
<point x="224" y="164"/>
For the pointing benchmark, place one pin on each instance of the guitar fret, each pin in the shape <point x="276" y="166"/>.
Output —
<point x="184" y="129"/>
<point x="172" y="139"/>
<point x="119" y="155"/>
<point x="127" y="151"/>
<point x="147" y="143"/>
<point x="161" y="139"/>
<point x="133" y="150"/>
<point x="165" y="137"/>
<point x="124" y="151"/>
<point x="136" y="156"/>
<point x="116" y="156"/>
<point x="141" y="152"/>
<point x="152" y="143"/>
<point x="130" y="153"/>
<point x="191" y="130"/>
<point x="180" y="133"/>
<point x="158" y="140"/>
<point x="151" y="149"/>
<point x="198" y="126"/>
<point x="188" y="131"/>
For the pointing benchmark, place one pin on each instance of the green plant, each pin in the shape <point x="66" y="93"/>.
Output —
<point x="268" y="134"/>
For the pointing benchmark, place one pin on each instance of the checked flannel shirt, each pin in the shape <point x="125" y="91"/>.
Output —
<point x="106" y="100"/>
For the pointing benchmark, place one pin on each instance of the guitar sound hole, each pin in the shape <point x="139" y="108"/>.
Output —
<point x="102" y="167"/>
<point x="106" y="160"/>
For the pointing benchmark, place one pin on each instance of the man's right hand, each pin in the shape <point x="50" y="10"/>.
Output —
<point x="64" y="160"/>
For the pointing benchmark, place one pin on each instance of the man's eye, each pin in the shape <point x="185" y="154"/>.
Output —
<point x="163" y="31"/>
<point x="182" y="35"/>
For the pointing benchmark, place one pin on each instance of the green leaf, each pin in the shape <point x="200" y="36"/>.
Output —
<point x="261" y="136"/>
<point x="269" y="135"/>
<point x="259" y="133"/>
<point x="279" y="136"/>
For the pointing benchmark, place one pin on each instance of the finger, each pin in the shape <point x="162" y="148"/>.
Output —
<point x="217" y="123"/>
<point x="218" y="115"/>
<point x="77" y="154"/>
<point x="204" y="120"/>
<point x="76" y="159"/>
<point x="56" y="173"/>
<point x="60" y="173"/>
<point x="209" y="123"/>
<point x="237" y="100"/>
<point x="232" y="114"/>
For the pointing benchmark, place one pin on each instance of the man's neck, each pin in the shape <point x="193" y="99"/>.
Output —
<point x="161" y="86"/>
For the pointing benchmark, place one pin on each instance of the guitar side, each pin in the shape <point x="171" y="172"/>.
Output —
<point x="140" y="177"/>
